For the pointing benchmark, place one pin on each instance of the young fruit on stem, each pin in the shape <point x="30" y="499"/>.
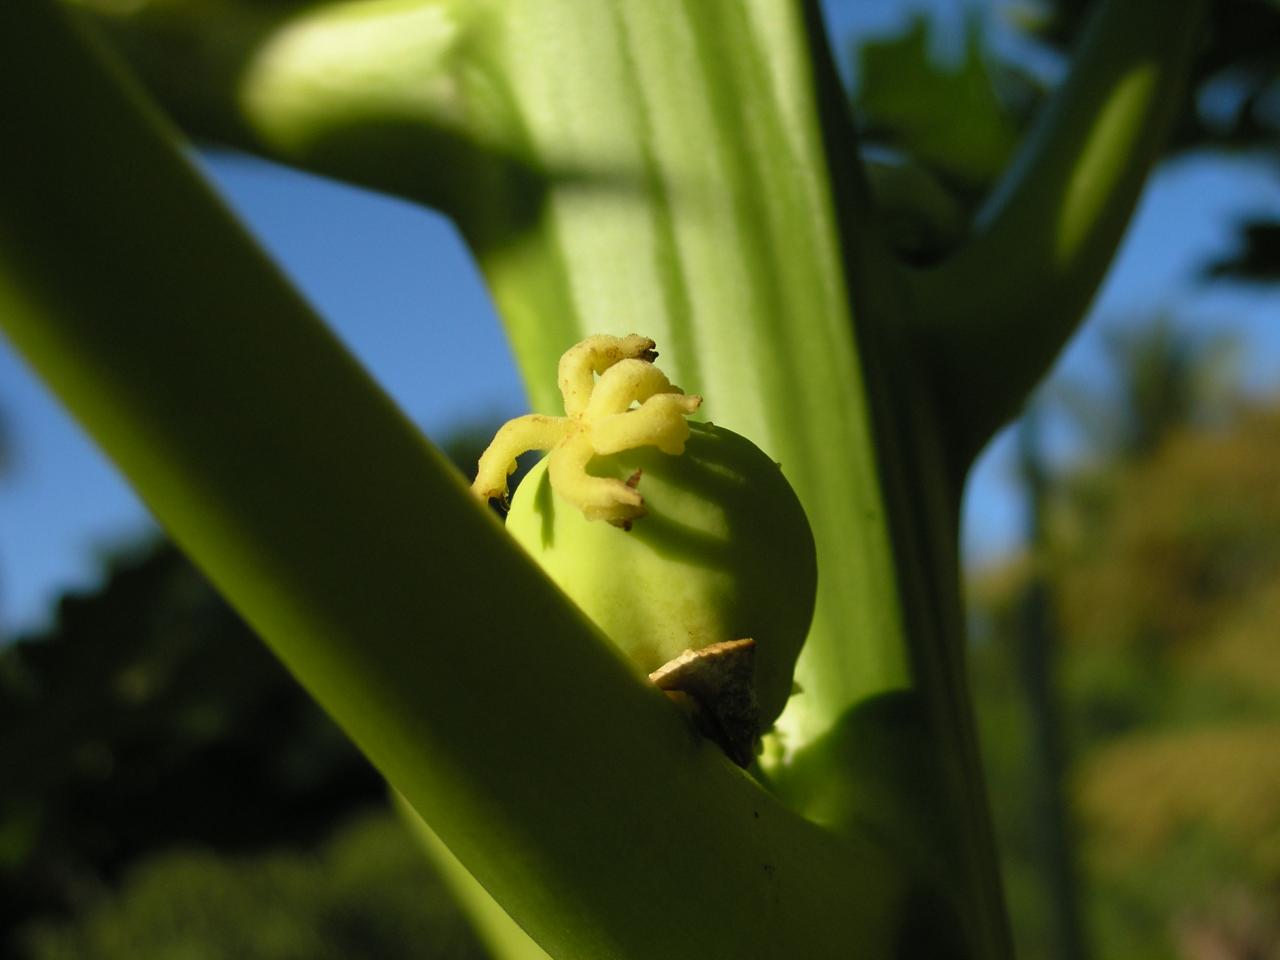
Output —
<point x="704" y="572"/>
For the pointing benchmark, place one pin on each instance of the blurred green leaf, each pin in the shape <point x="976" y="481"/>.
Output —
<point x="948" y="117"/>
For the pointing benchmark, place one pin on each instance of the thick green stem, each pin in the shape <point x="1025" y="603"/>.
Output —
<point x="570" y="788"/>
<point x="995" y="314"/>
<point x="500" y="934"/>
<point x="348" y="88"/>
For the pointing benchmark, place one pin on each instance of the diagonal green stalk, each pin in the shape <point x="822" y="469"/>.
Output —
<point x="501" y="935"/>
<point x="995" y="314"/>
<point x="346" y="88"/>
<point x="566" y="785"/>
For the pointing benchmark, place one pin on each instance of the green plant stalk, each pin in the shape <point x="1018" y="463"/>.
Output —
<point x="501" y="935"/>
<point x="567" y="785"/>
<point x="1051" y="227"/>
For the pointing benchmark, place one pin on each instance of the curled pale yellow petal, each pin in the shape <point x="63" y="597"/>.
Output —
<point x="531" y="432"/>
<point x="599" y="498"/>
<point x="581" y="362"/>
<point x="625" y="383"/>
<point x="659" y="422"/>
<point x="599" y="420"/>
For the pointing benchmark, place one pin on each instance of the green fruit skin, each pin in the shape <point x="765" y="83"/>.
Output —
<point x="723" y="552"/>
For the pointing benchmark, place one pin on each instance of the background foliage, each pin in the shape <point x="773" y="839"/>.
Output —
<point x="1164" y="570"/>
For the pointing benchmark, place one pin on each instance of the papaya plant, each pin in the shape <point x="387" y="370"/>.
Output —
<point x="682" y="170"/>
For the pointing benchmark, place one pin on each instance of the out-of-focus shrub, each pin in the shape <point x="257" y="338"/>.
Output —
<point x="1165" y="569"/>
<point x="368" y="893"/>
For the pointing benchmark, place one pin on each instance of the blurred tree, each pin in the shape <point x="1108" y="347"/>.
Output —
<point x="366" y="893"/>
<point x="150" y="715"/>
<point x="1256" y="257"/>
<point x="1167" y="576"/>
<point x="1184" y="800"/>
<point x="1161" y="377"/>
<point x="1038" y="644"/>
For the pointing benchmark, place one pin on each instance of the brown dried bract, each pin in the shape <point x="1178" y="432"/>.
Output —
<point x="719" y="681"/>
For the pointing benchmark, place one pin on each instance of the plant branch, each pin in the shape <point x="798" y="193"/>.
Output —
<point x="996" y="313"/>
<point x="501" y="935"/>
<point x="568" y="786"/>
<point x="382" y="93"/>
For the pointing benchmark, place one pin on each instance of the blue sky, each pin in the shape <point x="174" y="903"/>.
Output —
<point x="400" y="289"/>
